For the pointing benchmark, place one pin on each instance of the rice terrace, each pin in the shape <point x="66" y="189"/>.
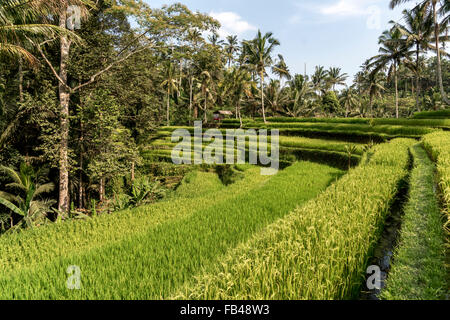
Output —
<point x="150" y="153"/>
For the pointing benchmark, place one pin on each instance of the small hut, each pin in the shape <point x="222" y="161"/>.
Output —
<point x="221" y="115"/>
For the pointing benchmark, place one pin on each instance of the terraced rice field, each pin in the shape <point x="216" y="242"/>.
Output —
<point x="308" y="232"/>
<point x="163" y="247"/>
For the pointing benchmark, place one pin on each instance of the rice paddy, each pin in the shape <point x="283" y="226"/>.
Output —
<point x="307" y="232"/>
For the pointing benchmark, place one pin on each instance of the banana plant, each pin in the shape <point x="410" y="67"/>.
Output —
<point x="27" y="203"/>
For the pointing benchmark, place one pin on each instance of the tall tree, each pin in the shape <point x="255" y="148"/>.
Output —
<point x="418" y="30"/>
<point x="348" y="100"/>
<point x="373" y="85"/>
<point x="435" y="7"/>
<point x="319" y="80"/>
<point x="392" y="52"/>
<point x="231" y="48"/>
<point x="281" y="69"/>
<point x="336" y="77"/>
<point x="170" y="84"/>
<point x="259" y="53"/>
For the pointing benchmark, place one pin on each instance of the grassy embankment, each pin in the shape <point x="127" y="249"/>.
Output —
<point x="419" y="271"/>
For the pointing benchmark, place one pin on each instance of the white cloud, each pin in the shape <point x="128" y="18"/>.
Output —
<point x="347" y="8"/>
<point x="232" y="23"/>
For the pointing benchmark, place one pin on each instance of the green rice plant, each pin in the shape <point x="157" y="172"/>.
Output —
<point x="438" y="146"/>
<point x="419" y="272"/>
<point x="443" y="122"/>
<point x="441" y="114"/>
<point x="320" y="250"/>
<point x="154" y="262"/>
<point x="391" y="130"/>
<point x="29" y="249"/>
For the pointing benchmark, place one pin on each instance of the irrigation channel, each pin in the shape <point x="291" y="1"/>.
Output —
<point x="389" y="239"/>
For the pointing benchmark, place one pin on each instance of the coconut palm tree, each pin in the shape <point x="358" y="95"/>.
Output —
<point x="231" y="48"/>
<point x="241" y="87"/>
<point x="336" y="77"/>
<point x="373" y="85"/>
<point x="435" y="7"/>
<point x="27" y="203"/>
<point x="259" y="53"/>
<point x="170" y="85"/>
<point x="319" y="80"/>
<point x="206" y="91"/>
<point x="302" y="96"/>
<point x="281" y="69"/>
<point x="392" y="53"/>
<point x="418" y="30"/>
<point x="276" y="96"/>
<point x="214" y="38"/>
<point x="348" y="100"/>
<point x="21" y="21"/>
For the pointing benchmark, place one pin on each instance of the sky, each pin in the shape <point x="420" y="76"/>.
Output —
<point x="330" y="33"/>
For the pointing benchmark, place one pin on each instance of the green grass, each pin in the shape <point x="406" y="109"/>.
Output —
<point x="419" y="271"/>
<point x="319" y="251"/>
<point x="441" y="114"/>
<point x="152" y="263"/>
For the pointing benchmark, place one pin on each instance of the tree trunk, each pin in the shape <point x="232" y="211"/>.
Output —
<point x="196" y="111"/>
<point x="168" y="109"/>
<point x="206" y="108"/>
<point x="20" y="80"/>
<point x="439" y="66"/>
<point x="418" y="77"/>
<point x="239" y="113"/>
<point x="80" y="186"/>
<point x="262" y="96"/>
<point x="64" y="99"/>
<point x="133" y="164"/>
<point x="190" y="97"/>
<point x="102" y="189"/>
<point x="396" y="91"/>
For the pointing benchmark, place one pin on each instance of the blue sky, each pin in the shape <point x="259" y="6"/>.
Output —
<point x="332" y="33"/>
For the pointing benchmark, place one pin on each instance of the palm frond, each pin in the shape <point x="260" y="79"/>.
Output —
<point x="45" y="188"/>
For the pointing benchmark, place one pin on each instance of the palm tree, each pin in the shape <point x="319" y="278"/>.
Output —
<point x="231" y="48"/>
<point x="27" y="203"/>
<point x="21" y="21"/>
<point x="418" y="30"/>
<point x="281" y="69"/>
<point x="276" y="95"/>
<point x="206" y="91"/>
<point x="214" y="38"/>
<point x="348" y="100"/>
<point x="302" y="95"/>
<point x="319" y="80"/>
<point x="392" y="52"/>
<point x="373" y="84"/>
<point x="242" y="86"/>
<point x="335" y="77"/>
<point x="170" y="84"/>
<point x="259" y="53"/>
<point x="432" y="6"/>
